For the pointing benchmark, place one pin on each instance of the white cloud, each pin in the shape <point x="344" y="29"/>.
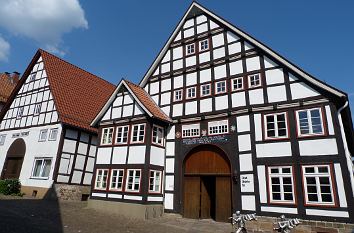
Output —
<point x="4" y="49"/>
<point x="44" y="21"/>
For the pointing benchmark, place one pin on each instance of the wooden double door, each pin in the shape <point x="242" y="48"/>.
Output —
<point x="207" y="185"/>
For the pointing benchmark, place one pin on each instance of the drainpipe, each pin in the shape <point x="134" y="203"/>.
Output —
<point x="346" y="150"/>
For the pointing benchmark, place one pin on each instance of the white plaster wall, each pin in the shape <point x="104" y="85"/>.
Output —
<point x="274" y="76"/>
<point x="202" y="28"/>
<point x="231" y="37"/>
<point x="243" y="123"/>
<point x="235" y="48"/>
<point x="34" y="149"/>
<point x="221" y="102"/>
<point x="136" y="155"/>
<point x="170" y="148"/>
<point x="318" y="147"/>
<point x="177" y="110"/>
<point x="301" y="90"/>
<point x="206" y="105"/>
<point x="169" y="181"/>
<point x="178" y="81"/>
<point x="157" y="156"/>
<point x="191" y="61"/>
<point x="256" y="96"/>
<point x="274" y="149"/>
<point x="104" y="155"/>
<point x="340" y="185"/>
<point x="219" y="72"/>
<point x="286" y="210"/>
<point x="218" y="40"/>
<point x="253" y="64"/>
<point x="219" y="53"/>
<point x="329" y="120"/>
<point x="119" y="155"/>
<point x="236" y="67"/>
<point x="168" y="203"/>
<point x="170" y="165"/>
<point x="276" y="94"/>
<point x="204" y="57"/>
<point x="248" y="202"/>
<point x="244" y="142"/>
<point x="262" y="184"/>
<point x="238" y="99"/>
<point x="191" y="79"/>
<point x="191" y="107"/>
<point x="268" y="63"/>
<point x="245" y="162"/>
<point x="171" y="132"/>
<point x="258" y="126"/>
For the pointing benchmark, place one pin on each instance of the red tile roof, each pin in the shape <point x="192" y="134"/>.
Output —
<point x="6" y="87"/>
<point x="148" y="103"/>
<point x="78" y="95"/>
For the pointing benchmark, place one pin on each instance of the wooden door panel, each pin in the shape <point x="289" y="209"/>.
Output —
<point x="12" y="168"/>
<point x="205" y="199"/>
<point x="191" y="197"/>
<point x="223" y="199"/>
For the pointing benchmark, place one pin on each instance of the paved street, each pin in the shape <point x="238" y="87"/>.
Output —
<point x="38" y="216"/>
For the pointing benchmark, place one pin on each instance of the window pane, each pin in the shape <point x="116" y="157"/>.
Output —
<point x="288" y="196"/>
<point x="276" y="188"/>
<point x="326" y="197"/>
<point x="323" y="169"/>
<point x="37" y="168"/>
<point x="287" y="180"/>
<point x="46" y="169"/>
<point x="324" y="180"/>
<point x="309" y="170"/>
<point x="276" y="196"/>
<point x="312" y="197"/>
<point x="275" y="180"/>
<point x="311" y="180"/>
<point x="288" y="188"/>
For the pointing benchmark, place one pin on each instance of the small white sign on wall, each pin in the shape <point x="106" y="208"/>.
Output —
<point x="246" y="182"/>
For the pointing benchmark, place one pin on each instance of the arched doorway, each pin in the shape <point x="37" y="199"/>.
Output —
<point x="14" y="160"/>
<point x="207" y="184"/>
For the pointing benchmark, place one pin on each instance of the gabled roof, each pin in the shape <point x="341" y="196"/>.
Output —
<point x="197" y="9"/>
<point x="7" y="85"/>
<point x="78" y="95"/>
<point x="141" y="97"/>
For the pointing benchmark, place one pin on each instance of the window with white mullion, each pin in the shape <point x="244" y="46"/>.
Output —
<point x="107" y="134"/>
<point x="205" y="89"/>
<point x="237" y="84"/>
<point x="191" y="92"/>
<point x="133" y="180"/>
<point x="42" y="167"/>
<point x="190" y="130"/>
<point x="178" y="95"/>
<point x="138" y="134"/>
<point x="218" y="127"/>
<point x="155" y="181"/>
<point x="220" y="87"/>
<point x="310" y="122"/>
<point x="117" y="176"/>
<point x="281" y="184"/>
<point x="158" y="135"/>
<point x="190" y="49"/>
<point x="122" y="134"/>
<point x="101" y="179"/>
<point x="276" y="125"/>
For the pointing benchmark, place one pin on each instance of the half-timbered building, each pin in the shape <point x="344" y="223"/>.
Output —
<point x="45" y="133"/>
<point x="245" y="129"/>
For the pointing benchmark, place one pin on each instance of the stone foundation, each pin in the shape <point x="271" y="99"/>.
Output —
<point x="58" y="192"/>
<point x="265" y="224"/>
<point x="130" y="210"/>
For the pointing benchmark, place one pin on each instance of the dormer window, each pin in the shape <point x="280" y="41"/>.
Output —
<point x="190" y="49"/>
<point x="204" y="45"/>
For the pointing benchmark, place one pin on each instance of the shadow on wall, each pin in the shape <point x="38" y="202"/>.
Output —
<point x="19" y="215"/>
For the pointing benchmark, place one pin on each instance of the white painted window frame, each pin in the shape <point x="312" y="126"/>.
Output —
<point x="119" y="138"/>
<point x="134" y="181"/>
<point x="249" y="77"/>
<point x="189" y="90"/>
<point x="309" y="122"/>
<point x="233" y="83"/>
<point x="276" y="128"/>
<point x="107" y="135"/>
<point x="218" y="125"/>
<point x="37" y="109"/>
<point x="191" y="130"/>
<point x="41" y="133"/>
<point x="190" y="47"/>
<point x="152" y="180"/>
<point x="201" y="49"/>
<point x="42" y="168"/>
<point x="51" y="132"/>
<point x="201" y="89"/>
<point x="160" y="135"/>
<point x="180" y="94"/>
<point x="120" y="175"/>
<point x="317" y="176"/>
<point x="281" y="175"/>
<point x="138" y="133"/>
<point x="20" y="112"/>
<point x="101" y="179"/>
<point x="221" y="91"/>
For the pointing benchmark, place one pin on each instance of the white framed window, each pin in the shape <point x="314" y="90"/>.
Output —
<point x="101" y="179"/>
<point x="191" y="92"/>
<point x="155" y="181"/>
<point x="41" y="168"/>
<point x="310" y="122"/>
<point x="19" y="112"/>
<point x="138" y="134"/>
<point x="133" y="180"/>
<point x="281" y="184"/>
<point x="318" y="184"/>
<point x="204" y="45"/>
<point x="2" y="139"/>
<point x="37" y="109"/>
<point x="276" y="125"/>
<point x="43" y="135"/>
<point x="192" y="130"/>
<point x="53" y="134"/>
<point x="237" y="84"/>
<point x="32" y="77"/>
<point x="178" y="95"/>
<point x="254" y="80"/>
<point x="190" y="49"/>
<point x="122" y="134"/>
<point x="158" y="135"/>
<point x="220" y="87"/>
<point x="205" y="89"/>
<point x="218" y="127"/>
<point x="117" y="176"/>
<point x="107" y="134"/>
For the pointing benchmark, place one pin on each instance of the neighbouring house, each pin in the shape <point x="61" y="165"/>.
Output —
<point x="220" y="122"/>
<point x="45" y="135"/>
<point x="7" y="84"/>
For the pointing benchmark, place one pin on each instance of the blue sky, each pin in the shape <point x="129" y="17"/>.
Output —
<point x="120" y="39"/>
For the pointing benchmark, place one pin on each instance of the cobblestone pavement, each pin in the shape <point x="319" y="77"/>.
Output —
<point x="39" y="216"/>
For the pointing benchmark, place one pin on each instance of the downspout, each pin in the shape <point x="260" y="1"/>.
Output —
<point x="346" y="150"/>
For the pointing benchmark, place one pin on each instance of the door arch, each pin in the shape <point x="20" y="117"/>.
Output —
<point x="207" y="184"/>
<point x="14" y="160"/>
